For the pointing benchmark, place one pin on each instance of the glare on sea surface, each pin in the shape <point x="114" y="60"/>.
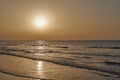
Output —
<point x="40" y="48"/>
<point x="40" y="63"/>
<point x="41" y="45"/>
<point x="39" y="66"/>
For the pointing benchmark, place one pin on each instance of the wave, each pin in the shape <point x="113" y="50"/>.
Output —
<point x="106" y="47"/>
<point x="105" y="74"/>
<point x="24" y="76"/>
<point x="61" y="47"/>
<point x="64" y="62"/>
<point x="112" y="63"/>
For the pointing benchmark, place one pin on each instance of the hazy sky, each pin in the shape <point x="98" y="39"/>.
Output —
<point x="66" y="19"/>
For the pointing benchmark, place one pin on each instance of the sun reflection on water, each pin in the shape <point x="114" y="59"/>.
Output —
<point x="40" y="48"/>
<point x="41" y="42"/>
<point x="40" y="63"/>
<point x="41" y="45"/>
<point x="40" y="68"/>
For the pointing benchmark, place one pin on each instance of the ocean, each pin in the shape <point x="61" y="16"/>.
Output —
<point x="102" y="56"/>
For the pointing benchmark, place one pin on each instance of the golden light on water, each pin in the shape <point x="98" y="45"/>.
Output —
<point x="40" y="63"/>
<point x="39" y="67"/>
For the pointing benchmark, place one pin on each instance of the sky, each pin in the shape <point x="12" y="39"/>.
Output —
<point x="66" y="19"/>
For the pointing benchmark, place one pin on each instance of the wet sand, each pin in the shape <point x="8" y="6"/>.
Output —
<point x="15" y="68"/>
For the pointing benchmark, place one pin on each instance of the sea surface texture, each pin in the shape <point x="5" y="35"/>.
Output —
<point x="101" y="57"/>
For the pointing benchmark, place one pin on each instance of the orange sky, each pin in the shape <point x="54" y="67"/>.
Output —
<point x="67" y="19"/>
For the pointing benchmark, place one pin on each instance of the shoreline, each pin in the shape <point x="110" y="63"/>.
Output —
<point x="44" y="59"/>
<point x="25" y="69"/>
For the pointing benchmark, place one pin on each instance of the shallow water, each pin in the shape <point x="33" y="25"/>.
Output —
<point x="100" y="56"/>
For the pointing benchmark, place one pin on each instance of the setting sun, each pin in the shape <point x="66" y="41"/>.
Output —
<point x="40" y="22"/>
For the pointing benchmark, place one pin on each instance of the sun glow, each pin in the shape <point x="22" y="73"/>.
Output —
<point x="40" y="22"/>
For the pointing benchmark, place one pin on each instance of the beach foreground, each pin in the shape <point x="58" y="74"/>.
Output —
<point x="15" y="68"/>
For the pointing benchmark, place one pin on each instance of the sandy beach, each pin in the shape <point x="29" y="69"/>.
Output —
<point x="15" y="68"/>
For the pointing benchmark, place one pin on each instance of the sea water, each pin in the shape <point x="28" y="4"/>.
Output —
<point x="97" y="55"/>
